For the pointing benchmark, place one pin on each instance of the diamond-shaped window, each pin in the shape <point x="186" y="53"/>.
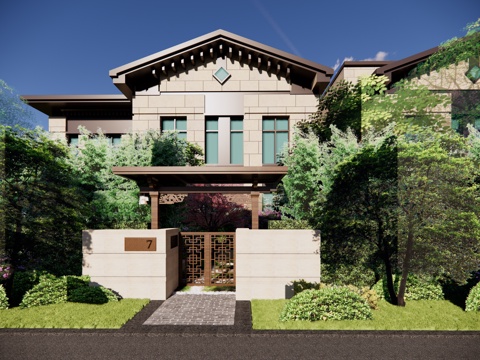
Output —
<point x="221" y="75"/>
<point x="473" y="74"/>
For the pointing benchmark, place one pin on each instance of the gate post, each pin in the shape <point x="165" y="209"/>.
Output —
<point x="254" y="196"/>
<point x="155" y="211"/>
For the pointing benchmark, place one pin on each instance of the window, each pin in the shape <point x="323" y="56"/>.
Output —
<point x="274" y="137"/>
<point x="177" y="124"/>
<point x="73" y="140"/>
<point x="224" y="140"/>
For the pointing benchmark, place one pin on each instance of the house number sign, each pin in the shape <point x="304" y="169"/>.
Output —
<point x="140" y="244"/>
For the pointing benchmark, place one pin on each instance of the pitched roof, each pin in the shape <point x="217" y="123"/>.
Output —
<point x="146" y="72"/>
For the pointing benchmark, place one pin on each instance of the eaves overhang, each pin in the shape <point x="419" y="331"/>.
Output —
<point x="400" y="69"/>
<point x="202" y="179"/>
<point x="148" y="71"/>
<point x="60" y="105"/>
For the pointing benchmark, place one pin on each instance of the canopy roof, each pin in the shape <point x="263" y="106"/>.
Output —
<point x="204" y="179"/>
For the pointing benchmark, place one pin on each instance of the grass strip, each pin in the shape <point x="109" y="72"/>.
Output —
<point x="112" y="315"/>
<point x="416" y="315"/>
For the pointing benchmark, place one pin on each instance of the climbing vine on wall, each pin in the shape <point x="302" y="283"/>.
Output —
<point x="453" y="51"/>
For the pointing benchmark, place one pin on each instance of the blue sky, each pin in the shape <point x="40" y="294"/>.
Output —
<point x="68" y="47"/>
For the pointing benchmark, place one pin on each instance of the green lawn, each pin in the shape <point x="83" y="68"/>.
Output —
<point x="71" y="315"/>
<point x="416" y="315"/>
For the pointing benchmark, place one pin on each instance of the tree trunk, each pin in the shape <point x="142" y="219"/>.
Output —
<point x="406" y="265"/>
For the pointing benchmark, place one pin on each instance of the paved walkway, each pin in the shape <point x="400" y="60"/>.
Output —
<point x="195" y="309"/>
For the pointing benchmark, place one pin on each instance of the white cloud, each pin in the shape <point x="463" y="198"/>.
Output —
<point x="337" y="63"/>
<point x="381" y="55"/>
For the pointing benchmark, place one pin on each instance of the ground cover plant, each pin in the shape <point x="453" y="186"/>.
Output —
<point x="112" y="315"/>
<point x="417" y="315"/>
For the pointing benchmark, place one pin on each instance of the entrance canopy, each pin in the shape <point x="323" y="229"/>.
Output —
<point x="156" y="180"/>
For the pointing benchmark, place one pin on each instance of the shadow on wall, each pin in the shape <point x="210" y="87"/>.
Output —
<point x="86" y="245"/>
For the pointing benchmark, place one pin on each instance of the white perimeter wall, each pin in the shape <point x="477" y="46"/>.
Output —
<point x="267" y="261"/>
<point x="133" y="274"/>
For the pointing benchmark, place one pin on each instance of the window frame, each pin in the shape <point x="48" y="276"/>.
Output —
<point x="274" y="131"/>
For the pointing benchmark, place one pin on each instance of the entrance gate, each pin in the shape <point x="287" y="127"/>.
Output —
<point x="208" y="259"/>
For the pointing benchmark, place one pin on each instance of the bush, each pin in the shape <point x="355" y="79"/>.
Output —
<point x="473" y="299"/>
<point x="328" y="303"/>
<point x="417" y="288"/>
<point x="369" y="295"/>
<point x="92" y="295"/>
<point x="24" y="281"/>
<point x="301" y="285"/>
<point x="288" y="224"/>
<point x="52" y="290"/>
<point x="3" y="298"/>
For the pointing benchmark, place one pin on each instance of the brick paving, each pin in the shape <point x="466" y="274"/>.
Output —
<point x="195" y="309"/>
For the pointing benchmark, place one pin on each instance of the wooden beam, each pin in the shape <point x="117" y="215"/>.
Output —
<point x="164" y="70"/>
<point x="249" y="59"/>
<point x="240" y="54"/>
<point x="173" y="67"/>
<point x="211" y="52"/>
<point x="192" y="59"/>
<point x="202" y="57"/>
<point x="230" y="52"/>
<point x="182" y="62"/>
<point x="287" y="75"/>
<point x="278" y="69"/>
<point x="269" y="65"/>
<point x="208" y="189"/>
<point x="154" y="73"/>
<point x="220" y="47"/>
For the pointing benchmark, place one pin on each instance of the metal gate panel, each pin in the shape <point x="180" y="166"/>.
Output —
<point x="208" y="259"/>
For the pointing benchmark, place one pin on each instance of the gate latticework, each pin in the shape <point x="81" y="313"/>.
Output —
<point x="208" y="259"/>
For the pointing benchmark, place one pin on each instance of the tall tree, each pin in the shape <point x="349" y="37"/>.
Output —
<point x="13" y="110"/>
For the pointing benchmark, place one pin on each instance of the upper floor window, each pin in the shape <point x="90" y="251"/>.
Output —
<point x="177" y="124"/>
<point x="224" y="140"/>
<point x="274" y="137"/>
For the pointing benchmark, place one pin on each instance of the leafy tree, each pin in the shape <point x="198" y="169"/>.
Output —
<point x="113" y="200"/>
<point x="13" y="110"/>
<point x="359" y="217"/>
<point x="340" y="106"/>
<point x="439" y="208"/>
<point x="41" y="202"/>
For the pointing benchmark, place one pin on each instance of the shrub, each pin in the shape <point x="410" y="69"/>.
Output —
<point x="288" y="224"/>
<point x="301" y="285"/>
<point x="3" y="298"/>
<point x="92" y="295"/>
<point x="52" y="290"/>
<point x="473" y="299"/>
<point x="418" y="288"/>
<point x="369" y="295"/>
<point x="24" y="281"/>
<point x="328" y="303"/>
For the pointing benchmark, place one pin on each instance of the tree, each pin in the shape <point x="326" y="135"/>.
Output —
<point x="113" y="200"/>
<point x="340" y="106"/>
<point x="13" y="110"/>
<point x="359" y="217"/>
<point x="439" y="207"/>
<point x="41" y="202"/>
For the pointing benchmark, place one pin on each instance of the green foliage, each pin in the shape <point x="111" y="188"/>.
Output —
<point x="473" y="299"/>
<point x="339" y="106"/>
<point x="288" y="224"/>
<point x="92" y="295"/>
<point x="53" y="290"/>
<point x="357" y="271"/>
<point x="329" y="303"/>
<point x="452" y="52"/>
<point x="47" y="291"/>
<point x="410" y="107"/>
<point x="418" y="288"/>
<point x="23" y="281"/>
<point x="302" y="284"/>
<point x="41" y="202"/>
<point x="13" y="110"/>
<point x="3" y="298"/>
<point x="113" y="200"/>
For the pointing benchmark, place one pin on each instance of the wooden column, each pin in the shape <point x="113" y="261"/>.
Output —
<point x="254" y="196"/>
<point x="155" y="211"/>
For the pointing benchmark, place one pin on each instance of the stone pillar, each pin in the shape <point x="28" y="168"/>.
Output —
<point x="155" y="211"/>
<point x="255" y="196"/>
